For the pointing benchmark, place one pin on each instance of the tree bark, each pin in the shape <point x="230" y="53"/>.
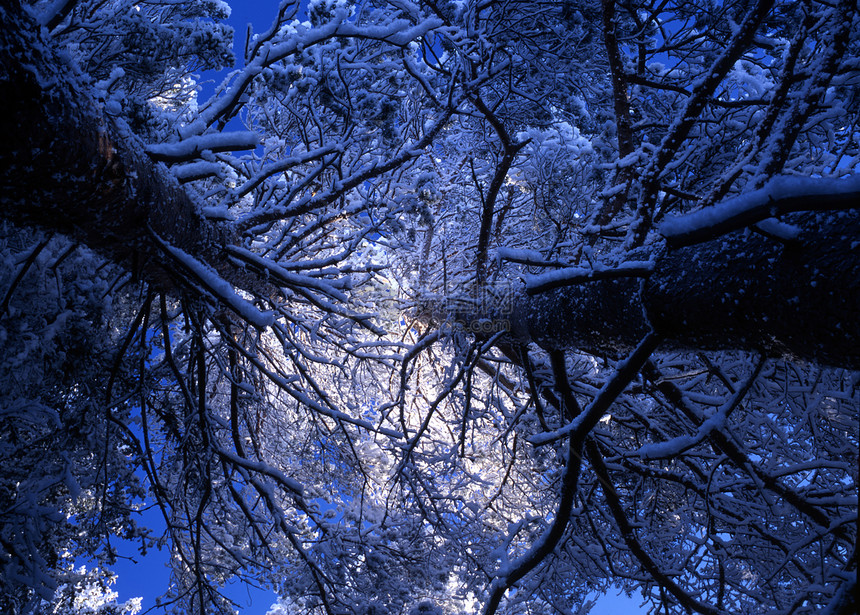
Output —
<point x="67" y="166"/>
<point x="796" y="299"/>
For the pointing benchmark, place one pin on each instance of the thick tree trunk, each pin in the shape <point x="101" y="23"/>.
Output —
<point x="67" y="167"/>
<point x="798" y="298"/>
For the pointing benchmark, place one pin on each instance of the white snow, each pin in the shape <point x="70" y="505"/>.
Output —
<point x="519" y="255"/>
<point x="572" y="275"/>
<point x="218" y="212"/>
<point x="195" y="170"/>
<point x="216" y="142"/>
<point x="219" y="287"/>
<point x="330" y="288"/>
<point x="774" y="227"/>
<point x="398" y="32"/>
<point x="777" y="189"/>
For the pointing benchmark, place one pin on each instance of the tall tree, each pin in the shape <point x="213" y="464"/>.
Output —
<point x="506" y="302"/>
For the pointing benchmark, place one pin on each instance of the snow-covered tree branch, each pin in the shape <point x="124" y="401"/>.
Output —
<point x="433" y="307"/>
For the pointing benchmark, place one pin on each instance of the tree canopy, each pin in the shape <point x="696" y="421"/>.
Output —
<point x="434" y="307"/>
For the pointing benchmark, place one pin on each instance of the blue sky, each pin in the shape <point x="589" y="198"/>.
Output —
<point x="259" y="14"/>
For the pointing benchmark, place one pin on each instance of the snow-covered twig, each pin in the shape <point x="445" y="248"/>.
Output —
<point x="780" y="196"/>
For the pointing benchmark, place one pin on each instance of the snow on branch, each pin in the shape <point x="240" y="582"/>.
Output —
<point x="216" y="286"/>
<point x="307" y="286"/>
<point x="780" y="196"/>
<point x="330" y="288"/>
<point x="716" y="421"/>
<point x="625" y="372"/>
<point x="191" y="148"/>
<point x="532" y="258"/>
<point x="576" y="275"/>
<point x="398" y="33"/>
<point x="195" y="170"/>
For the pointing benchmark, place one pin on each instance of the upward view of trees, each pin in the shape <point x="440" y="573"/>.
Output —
<point x="434" y="307"/>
